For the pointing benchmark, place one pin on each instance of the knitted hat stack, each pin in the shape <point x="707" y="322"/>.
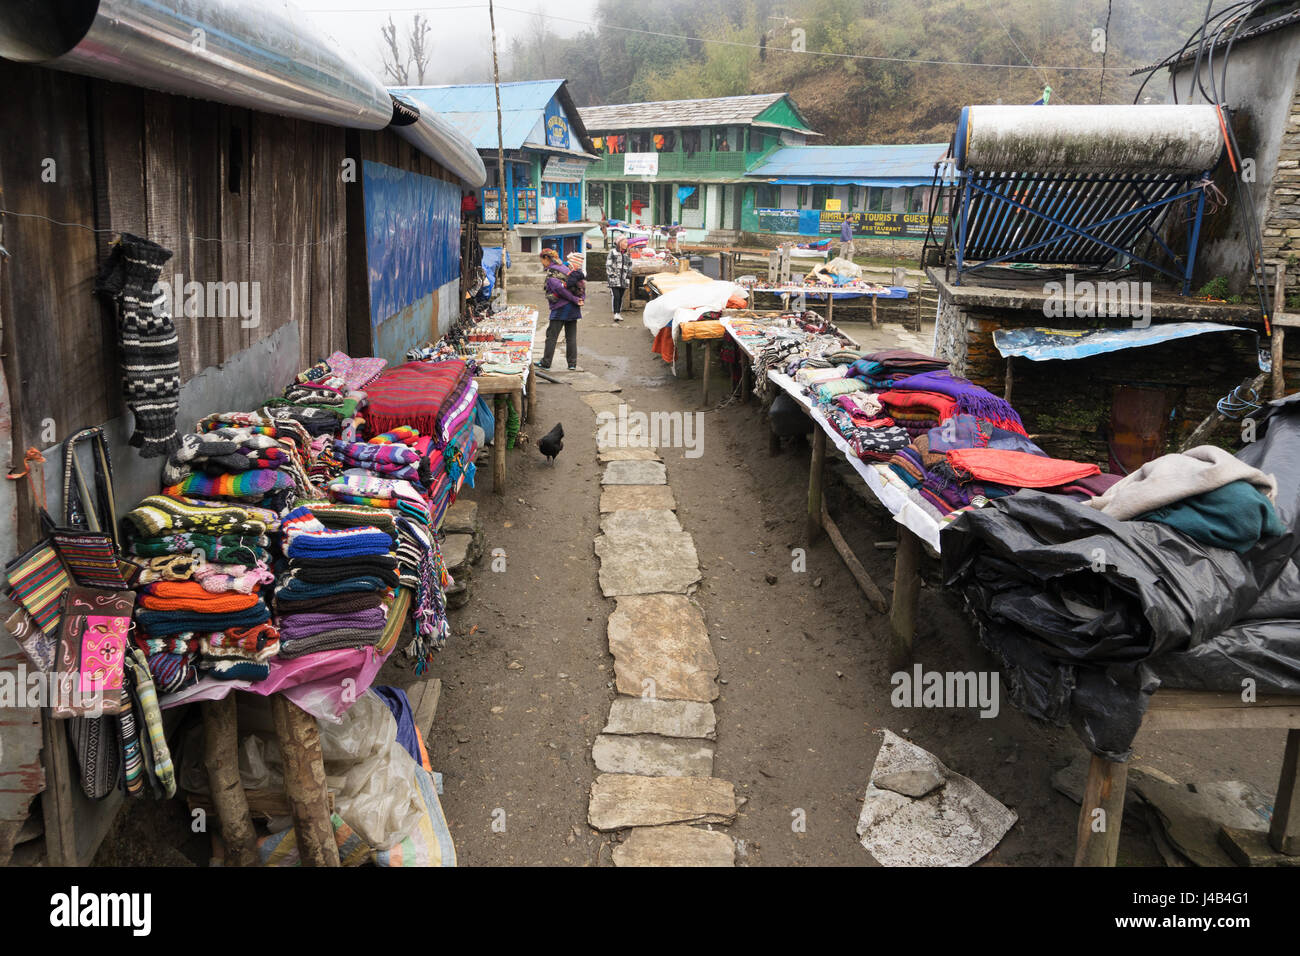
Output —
<point x="149" y="345"/>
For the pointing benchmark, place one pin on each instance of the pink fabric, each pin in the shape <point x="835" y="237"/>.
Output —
<point x="325" y="684"/>
<point x="357" y="372"/>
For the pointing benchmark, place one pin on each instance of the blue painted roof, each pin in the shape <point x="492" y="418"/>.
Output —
<point x="472" y="109"/>
<point x="911" y="164"/>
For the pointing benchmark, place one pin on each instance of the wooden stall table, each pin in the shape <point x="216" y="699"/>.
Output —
<point x="305" y="788"/>
<point x="506" y="391"/>
<point x="1097" y="841"/>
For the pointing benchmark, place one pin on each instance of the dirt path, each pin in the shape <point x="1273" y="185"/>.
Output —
<point x="528" y="680"/>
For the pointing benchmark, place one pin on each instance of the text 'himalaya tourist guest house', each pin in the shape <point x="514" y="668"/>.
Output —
<point x="718" y="167"/>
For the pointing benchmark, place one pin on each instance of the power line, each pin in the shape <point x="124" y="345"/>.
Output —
<point x="341" y="234"/>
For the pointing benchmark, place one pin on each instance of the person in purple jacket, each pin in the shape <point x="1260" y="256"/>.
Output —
<point x="566" y="310"/>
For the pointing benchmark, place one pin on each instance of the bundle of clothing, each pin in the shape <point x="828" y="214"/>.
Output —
<point x="435" y="398"/>
<point x="419" y="553"/>
<point x="333" y="387"/>
<point x="880" y="371"/>
<point x="338" y="586"/>
<point x="242" y="457"/>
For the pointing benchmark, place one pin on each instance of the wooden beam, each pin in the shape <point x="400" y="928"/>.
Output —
<point x="221" y="759"/>
<point x="1284" y="832"/>
<point x="304" y="782"/>
<point x="707" y="372"/>
<point x="500" y="411"/>
<point x="874" y="597"/>
<point x="814" y="523"/>
<point x="1278" y="336"/>
<point x="907" y="588"/>
<point x="1097" y="842"/>
<point x="56" y="800"/>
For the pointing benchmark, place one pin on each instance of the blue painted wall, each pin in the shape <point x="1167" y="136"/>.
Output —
<point x="412" y="254"/>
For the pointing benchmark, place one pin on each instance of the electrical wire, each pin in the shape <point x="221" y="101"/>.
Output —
<point x="341" y="234"/>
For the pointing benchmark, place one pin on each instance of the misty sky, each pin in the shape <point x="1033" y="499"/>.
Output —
<point x="461" y="46"/>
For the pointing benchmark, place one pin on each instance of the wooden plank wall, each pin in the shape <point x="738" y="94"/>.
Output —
<point x="236" y="195"/>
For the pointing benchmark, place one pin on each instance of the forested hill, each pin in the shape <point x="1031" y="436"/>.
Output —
<point x="679" y="49"/>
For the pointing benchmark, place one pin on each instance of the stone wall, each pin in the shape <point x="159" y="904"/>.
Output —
<point x="1282" y="224"/>
<point x="1067" y="404"/>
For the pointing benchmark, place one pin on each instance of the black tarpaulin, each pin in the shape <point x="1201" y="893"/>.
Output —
<point x="1089" y="615"/>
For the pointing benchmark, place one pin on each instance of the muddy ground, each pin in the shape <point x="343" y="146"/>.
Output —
<point x="527" y="678"/>
<point x="803" y="660"/>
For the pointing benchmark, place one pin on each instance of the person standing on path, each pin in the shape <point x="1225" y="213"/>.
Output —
<point x="566" y="310"/>
<point x="618" y="269"/>
<point x="846" y="238"/>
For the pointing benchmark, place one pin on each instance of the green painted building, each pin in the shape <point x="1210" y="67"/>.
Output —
<point x="685" y="161"/>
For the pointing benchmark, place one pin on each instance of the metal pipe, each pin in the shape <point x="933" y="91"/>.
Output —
<point x="264" y="55"/>
<point x="436" y="138"/>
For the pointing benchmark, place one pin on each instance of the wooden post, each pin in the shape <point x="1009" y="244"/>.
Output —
<point x="56" y="799"/>
<point x="221" y="760"/>
<point x="708" y="368"/>
<point x="304" y="782"/>
<point x="1097" y="841"/>
<point x="814" y="526"/>
<point x="875" y="323"/>
<point x="830" y="307"/>
<point x="501" y="411"/>
<point x="907" y="587"/>
<point x="532" y="392"/>
<point x="504" y="200"/>
<point x="1284" y="833"/>
<point x="746" y="376"/>
<point x="690" y="358"/>
<point x="1006" y="391"/>
<point x="1278" y="337"/>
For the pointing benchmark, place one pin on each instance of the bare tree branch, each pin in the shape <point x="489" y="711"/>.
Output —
<point x="420" y="47"/>
<point x="396" y="68"/>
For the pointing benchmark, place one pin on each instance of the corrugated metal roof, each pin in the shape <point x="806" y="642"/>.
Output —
<point x="852" y="164"/>
<point x="718" y="111"/>
<point x="472" y="110"/>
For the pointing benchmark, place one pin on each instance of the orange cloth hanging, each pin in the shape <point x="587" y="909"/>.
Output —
<point x="663" y="344"/>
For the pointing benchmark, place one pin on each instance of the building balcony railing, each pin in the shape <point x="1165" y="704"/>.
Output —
<point x="676" y="165"/>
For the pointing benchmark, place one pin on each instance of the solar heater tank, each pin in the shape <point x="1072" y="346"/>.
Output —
<point x="1109" y="139"/>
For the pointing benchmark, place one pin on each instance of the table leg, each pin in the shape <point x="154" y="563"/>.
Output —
<point x="875" y="323"/>
<point x="708" y="368"/>
<point x="532" y="392"/>
<point x="814" y="525"/>
<point x="304" y="782"/>
<point x="907" y="587"/>
<point x="1102" y="813"/>
<point x="1284" y="833"/>
<point x="221" y="760"/>
<point x="501" y="410"/>
<point x="746" y="378"/>
<point x="690" y="358"/>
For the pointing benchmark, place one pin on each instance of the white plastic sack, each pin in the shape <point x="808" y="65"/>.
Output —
<point x="705" y="296"/>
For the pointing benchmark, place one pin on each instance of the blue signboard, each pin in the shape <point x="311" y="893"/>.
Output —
<point x="557" y="127"/>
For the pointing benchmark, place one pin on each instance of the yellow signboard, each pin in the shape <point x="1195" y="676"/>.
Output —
<point x="832" y="205"/>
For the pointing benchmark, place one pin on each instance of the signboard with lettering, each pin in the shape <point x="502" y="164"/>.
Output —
<point x="557" y="127"/>
<point x="778" y="220"/>
<point x="900" y="225"/>
<point x="640" y="164"/>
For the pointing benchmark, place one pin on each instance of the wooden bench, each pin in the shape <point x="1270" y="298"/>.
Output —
<point x="1098" y="833"/>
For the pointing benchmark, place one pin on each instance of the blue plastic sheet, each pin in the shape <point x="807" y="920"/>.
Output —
<point x="1039" y="345"/>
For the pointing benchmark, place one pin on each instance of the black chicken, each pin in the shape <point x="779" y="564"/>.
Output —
<point x="552" y="443"/>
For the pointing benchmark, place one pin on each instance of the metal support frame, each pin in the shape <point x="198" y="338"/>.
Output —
<point x="1004" y="206"/>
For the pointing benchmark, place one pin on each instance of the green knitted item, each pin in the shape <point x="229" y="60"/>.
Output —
<point x="512" y="428"/>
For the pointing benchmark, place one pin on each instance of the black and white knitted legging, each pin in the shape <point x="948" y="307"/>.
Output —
<point x="150" y="350"/>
